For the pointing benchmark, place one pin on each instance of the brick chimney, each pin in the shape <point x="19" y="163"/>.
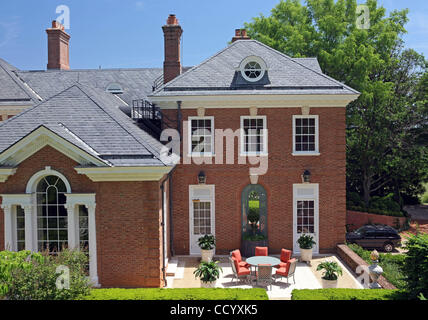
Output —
<point x="240" y="34"/>
<point x="58" y="47"/>
<point x="172" y="34"/>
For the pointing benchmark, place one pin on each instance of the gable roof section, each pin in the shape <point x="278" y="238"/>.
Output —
<point x="12" y="90"/>
<point x="136" y="83"/>
<point x="218" y="74"/>
<point x="89" y="119"/>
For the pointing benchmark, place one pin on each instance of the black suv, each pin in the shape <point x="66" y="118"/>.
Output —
<point x="375" y="237"/>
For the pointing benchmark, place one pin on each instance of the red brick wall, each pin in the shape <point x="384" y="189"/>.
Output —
<point x="357" y="219"/>
<point x="127" y="220"/>
<point x="328" y="170"/>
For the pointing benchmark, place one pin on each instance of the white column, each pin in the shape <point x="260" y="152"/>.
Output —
<point x="93" y="268"/>
<point x="28" y="209"/>
<point x="8" y="232"/>
<point x="72" y="226"/>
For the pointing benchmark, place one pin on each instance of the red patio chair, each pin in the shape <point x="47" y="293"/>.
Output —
<point x="261" y="251"/>
<point x="288" y="271"/>
<point x="239" y="272"/>
<point x="285" y="257"/>
<point x="236" y="255"/>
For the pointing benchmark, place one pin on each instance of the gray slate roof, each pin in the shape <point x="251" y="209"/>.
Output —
<point x="90" y="119"/>
<point x="13" y="91"/>
<point x="136" y="83"/>
<point x="220" y="74"/>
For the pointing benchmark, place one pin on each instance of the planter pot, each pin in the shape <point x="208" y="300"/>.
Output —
<point x="326" y="284"/>
<point x="248" y="247"/>
<point x="208" y="284"/>
<point x="306" y="255"/>
<point x="207" y="255"/>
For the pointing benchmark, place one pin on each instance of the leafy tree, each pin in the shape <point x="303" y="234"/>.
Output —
<point x="387" y="124"/>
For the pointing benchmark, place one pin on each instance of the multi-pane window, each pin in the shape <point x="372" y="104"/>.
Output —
<point x="305" y="134"/>
<point x="202" y="135"/>
<point x="254" y="135"/>
<point x="83" y="228"/>
<point x="52" y="225"/>
<point x="305" y="216"/>
<point x="201" y="217"/>
<point x="84" y="233"/>
<point x="20" y="228"/>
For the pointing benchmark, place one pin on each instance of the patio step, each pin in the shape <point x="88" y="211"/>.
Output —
<point x="171" y="268"/>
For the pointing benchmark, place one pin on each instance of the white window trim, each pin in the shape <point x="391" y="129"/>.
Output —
<point x="211" y="199"/>
<point x="28" y="201"/>
<point x="190" y="153"/>
<point x="257" y="59"/>
<point x="315" y="198"/>
<point x="244" y="153"/>
<point x="306" y="153"/>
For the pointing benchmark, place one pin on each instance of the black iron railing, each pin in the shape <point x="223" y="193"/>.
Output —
<point x="143" y="109"/>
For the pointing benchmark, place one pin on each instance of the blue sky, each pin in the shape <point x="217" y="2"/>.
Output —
<point x="127" y="33"/>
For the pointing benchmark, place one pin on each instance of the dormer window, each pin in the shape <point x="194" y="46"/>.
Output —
<point x="252" y="68"/>
<point x="114" y="88"/>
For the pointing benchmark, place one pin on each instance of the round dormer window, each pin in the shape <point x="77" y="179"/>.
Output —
<point x="253" y="68"/>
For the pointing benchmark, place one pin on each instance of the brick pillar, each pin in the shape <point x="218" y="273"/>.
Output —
<point x="58" y="47"/>
<point x="172" y="33"/>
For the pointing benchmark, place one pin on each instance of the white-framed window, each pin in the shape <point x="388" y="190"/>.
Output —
<point x="253" y="68"/>
<point x="305" y="135"/>
<point x="52" y="216"/>
<point x="201" y="136"/>
<point x="19" y="228"/>
<point x="253" y="135"/>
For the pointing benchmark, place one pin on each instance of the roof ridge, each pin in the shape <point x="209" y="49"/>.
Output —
<point x="33" y="107"/>
<point x="132" y="134"/>
<point x="316" y="72"/>
<point x="195" y="67"/>
<point x="16" y="80"/>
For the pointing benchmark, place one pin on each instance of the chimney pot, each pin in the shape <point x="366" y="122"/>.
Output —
<point x="240" y="34"/>
<point x="172" y="20"/>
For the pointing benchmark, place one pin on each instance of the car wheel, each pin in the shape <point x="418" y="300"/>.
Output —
<point x="388" y="247"/>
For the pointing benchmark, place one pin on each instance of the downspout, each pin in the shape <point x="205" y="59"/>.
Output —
<point x="163" y="233"/>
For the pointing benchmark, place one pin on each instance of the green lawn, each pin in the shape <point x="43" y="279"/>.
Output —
<point x="347" y="294"/>
<point x="177" y="294"/>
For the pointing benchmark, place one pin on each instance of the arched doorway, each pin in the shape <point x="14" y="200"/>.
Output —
<point x="254" y="218"/>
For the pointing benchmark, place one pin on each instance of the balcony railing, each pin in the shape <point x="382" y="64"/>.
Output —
<point x="144" y="110"/>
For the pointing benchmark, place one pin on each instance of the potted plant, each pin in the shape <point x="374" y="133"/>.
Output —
<point x="306" y="243"/>
<point x="207" y="245"/>
<point x="332" y="271"/>
<point x="208" y="273"/>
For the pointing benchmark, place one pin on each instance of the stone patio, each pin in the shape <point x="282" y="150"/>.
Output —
<point x="180" y="275"/>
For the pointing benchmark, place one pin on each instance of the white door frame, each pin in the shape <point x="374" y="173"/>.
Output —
<point x="194" y="250"/>
<point x="314" y="195"/>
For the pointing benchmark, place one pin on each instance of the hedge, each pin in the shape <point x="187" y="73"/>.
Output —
<point x="177" y="294"/>
<point x="347" y="294"/>
<point x="377" y="211"/>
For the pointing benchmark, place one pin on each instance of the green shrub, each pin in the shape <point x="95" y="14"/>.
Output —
<point x="306" y="241"/>
<point x="40" y="278"/>
<point x="424" y="198"/>
<point x="177" y="294"/>
<point x="391" y="265"/>
<point x="415" y="267"/>
<point x="387" y="203"/>
<point x="353" y="199"/>
<point x="348" y="294"/>
<point x="11" y="262"/>
<point x="207" y="242"/>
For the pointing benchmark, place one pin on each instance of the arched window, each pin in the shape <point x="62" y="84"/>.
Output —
<point x="52" y="226"/>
